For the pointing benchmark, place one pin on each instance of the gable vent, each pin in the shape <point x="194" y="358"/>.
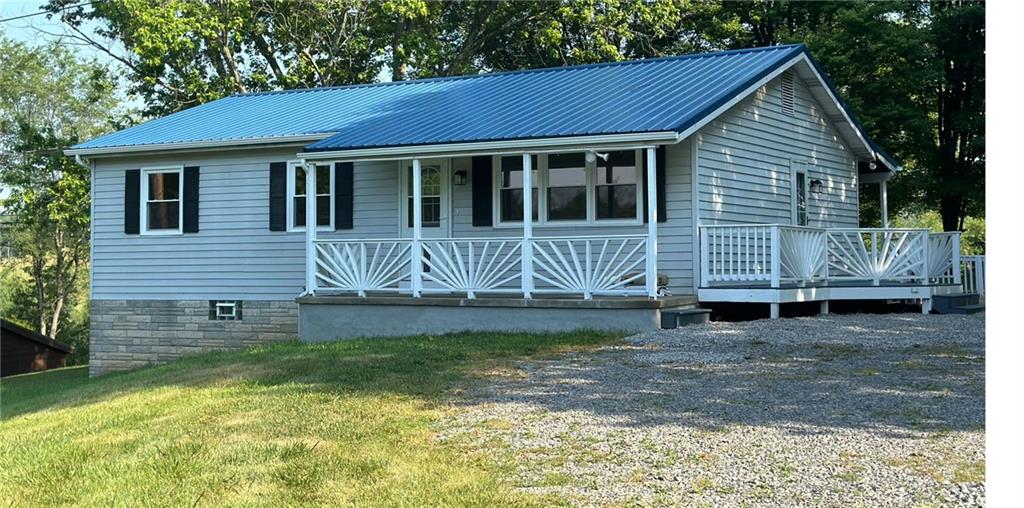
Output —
<point x="787" y="93"/>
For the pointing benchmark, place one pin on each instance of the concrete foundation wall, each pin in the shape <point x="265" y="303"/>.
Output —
<point x="126" y="334"/>
<point x="324" y="322"/>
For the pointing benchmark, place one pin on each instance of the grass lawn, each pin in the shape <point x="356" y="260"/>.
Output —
<point x="347" y="423"/>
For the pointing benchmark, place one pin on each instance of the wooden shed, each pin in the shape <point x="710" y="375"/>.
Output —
<point x="22" y="350"/>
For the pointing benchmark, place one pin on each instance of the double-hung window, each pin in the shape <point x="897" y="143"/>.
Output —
<point x="572" y="188"/>
<point x="297" y="193"/>
<point x="800" y="187"/>
<point x="161" y="204"/>
<point x="616" y="186"/>
<point x="510" y="188"/>
<point x="567" y="187"/>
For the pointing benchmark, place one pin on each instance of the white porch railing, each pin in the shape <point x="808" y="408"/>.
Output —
<point x="973" y="275"/>
<point x="587" y="266"/>
<point x="774" y="254"/>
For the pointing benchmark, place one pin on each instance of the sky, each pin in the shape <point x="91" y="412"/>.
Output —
<point x="38" y="30"/>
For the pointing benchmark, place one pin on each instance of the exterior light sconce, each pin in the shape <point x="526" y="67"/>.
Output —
<point x="817" y="187"/>
<point x="460" y="177"/>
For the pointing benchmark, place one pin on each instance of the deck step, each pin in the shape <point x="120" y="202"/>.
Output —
<point x="968" y="309"/>
<point x="945" y="304"/>
<point x="673" y="318"/>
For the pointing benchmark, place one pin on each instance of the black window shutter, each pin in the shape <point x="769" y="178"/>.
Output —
<point x="483" y="209"/>
<point x="191" y="200"/>
<point x="659" y="156"/>
<point x="131" y="202"/>
<point x="278" y="195"/>
<point x="344" y="195"/>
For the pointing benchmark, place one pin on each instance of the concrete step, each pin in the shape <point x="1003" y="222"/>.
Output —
<point x="944" y="304"/>
<point x="673" y="318"/>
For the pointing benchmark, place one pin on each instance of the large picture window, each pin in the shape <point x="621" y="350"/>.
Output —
<point x="323" y="193"/>
<point x="161" y="204"/>
<point x="572" y="188"/>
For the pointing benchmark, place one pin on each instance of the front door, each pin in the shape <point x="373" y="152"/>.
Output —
<point x="436" y="189"/>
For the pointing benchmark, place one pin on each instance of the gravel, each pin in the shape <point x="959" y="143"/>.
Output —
<point x="873" y="410"/>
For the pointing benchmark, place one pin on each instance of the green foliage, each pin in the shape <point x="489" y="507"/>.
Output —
<point x="347" y="423"/>
<point x="48" y="100"/>
<point x="972" y="240"/>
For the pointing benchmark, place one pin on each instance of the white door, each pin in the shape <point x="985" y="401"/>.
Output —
<point x="436" y="188"/>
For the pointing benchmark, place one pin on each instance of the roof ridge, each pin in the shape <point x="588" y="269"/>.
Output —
<point x="687" y="56"/>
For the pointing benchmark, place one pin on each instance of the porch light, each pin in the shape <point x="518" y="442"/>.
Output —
<point x="460" y="177"/>
<point x="817" y="187"/>
<point x="592" y="156"/>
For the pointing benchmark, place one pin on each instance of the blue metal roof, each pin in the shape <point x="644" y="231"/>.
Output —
<point x="653" y="95"/>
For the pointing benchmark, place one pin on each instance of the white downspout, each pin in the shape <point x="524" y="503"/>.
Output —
<point x="310" y="226"/>
<point x="884" y="202"/>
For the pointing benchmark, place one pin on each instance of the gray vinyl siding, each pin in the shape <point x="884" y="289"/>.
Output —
<point x="674" y="236"/>
<point x="745" y="158"/>
<point x="234" y="255"/>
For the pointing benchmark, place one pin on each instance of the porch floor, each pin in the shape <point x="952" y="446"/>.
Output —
<point x="537" y="302"/>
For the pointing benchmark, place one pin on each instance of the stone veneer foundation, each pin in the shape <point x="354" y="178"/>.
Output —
<point x="125" y="334"/>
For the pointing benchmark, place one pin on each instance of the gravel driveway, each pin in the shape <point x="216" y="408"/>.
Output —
<point x="872" y="410"/>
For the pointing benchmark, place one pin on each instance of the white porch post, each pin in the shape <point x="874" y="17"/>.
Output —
<point x="651" y="269"/>
<point x="883" y="198"/>
<point x="527" y="250"/>
<point x="416" y="267"/>
<point x="310" y="170"/>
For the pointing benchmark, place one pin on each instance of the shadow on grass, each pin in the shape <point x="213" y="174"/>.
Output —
<point x="415" y="366"/>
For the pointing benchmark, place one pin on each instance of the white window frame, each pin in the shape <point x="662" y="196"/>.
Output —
<point x="290" y="202"/>
<point x="222" y="306"/>
<point x="144" y="200"/>
<point x="798" y="168"/>
<point x="542" y="196"/>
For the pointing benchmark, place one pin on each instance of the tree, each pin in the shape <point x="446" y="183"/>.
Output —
<point x="48" y="101"/>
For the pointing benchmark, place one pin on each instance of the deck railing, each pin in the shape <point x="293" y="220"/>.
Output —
<point x="586" y="266"/>
<point x="973" y="275"/>
<point x="776" y="254"/>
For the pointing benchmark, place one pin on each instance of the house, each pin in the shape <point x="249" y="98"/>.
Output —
<point x="655" y="185"/>
<point x="22" y="350"/>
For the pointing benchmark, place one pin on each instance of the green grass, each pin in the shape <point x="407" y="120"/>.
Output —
<point x="342" y="423"/>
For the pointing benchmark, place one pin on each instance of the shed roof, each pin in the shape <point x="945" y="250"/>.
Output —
<point x="654" y="95"/>
<point x="8" y="329"/>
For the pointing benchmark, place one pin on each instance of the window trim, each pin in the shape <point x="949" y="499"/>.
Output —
<point x="290" y="199"/>
<point x="144" y="201"/>
<point x="799" y="167"/>
<point x="542" y="196"/>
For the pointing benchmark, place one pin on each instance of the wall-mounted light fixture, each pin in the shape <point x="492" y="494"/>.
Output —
<point x="592" y="156"/>
<point x="817" y="186"/>
<point x="460" y="177"/>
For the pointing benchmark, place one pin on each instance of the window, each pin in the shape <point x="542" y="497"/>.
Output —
<point x="567" y="187"/>
<point x="617" y="186"/>
<point x="572" y="188"/>
<point x="800" y="193"/>
<point x="324" y="183"/>
<point x="225" y="310"/>
<point x="511" y="188"/>
<point x="430" y="186"/>
<point x="161" y="204"/>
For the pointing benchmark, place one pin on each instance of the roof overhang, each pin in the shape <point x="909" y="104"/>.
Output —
<point x="198" y="145"/>
<point x="493" y="147"/>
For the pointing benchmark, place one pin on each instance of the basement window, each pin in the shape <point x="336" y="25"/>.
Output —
<point x="225" y="310"/>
